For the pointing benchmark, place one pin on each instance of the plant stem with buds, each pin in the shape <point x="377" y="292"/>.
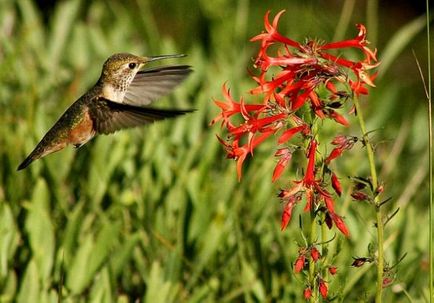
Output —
<point x="377" y="203"/>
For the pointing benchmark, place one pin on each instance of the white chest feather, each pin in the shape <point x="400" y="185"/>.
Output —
<point x="113" y="94"/>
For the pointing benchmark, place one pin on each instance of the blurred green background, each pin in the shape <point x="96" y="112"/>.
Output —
<point x="156" y="214"/>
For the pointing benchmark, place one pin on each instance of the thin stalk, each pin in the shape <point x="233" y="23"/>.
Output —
<point x="324" y="248"/>
<point x="378" y="208"/>
<point x="312" y="239"/>
<point x="430" y="157"/>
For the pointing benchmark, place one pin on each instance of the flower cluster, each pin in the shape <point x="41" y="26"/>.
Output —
<point x="299" y="85"/>
<point x="313" y="254"/>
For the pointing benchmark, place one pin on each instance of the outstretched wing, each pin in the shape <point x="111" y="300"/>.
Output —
<point x="151" y="84"/>
<point x="109" y="116"/>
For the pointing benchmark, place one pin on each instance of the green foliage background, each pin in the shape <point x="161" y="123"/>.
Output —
<point x="156" y="214"/>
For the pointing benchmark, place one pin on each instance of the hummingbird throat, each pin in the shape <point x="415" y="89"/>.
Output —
<point x="113" y="93"/>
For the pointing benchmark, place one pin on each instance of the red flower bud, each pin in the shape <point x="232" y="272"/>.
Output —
<point x="379" y="189"/>
<point x="307" y="293"/>
<point x="314" y="253"/>
<point x="340" y="224"/>
<point x="339" y="140"/>
<point x="360" y="261"/>
<point x="299" y="263"/>
<point x="323" y="290"/>
<point x="359" y="196"/>
<point x="387" y="281"/>
<point x="328" y="221"/>
<point x="333" y="270"/>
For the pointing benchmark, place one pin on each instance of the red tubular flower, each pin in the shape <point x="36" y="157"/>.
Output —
<point x="309" y="177"/>
<point x="340" y="224"/>
<point x="289" y="133"/>
<point x="342" y="143"/>
<point x="338" y="118"/>
<point x="336" y="184"/>
<point x="230" y="107"/>
<point x="329" y="204"/>
<point x="336" y="152"/>
<point x="358" y="42"/>
<point x="305" y="82"/>
<point x="287" y="211"/>
<point x="285" y="155"/>
<point x="272" y="35"/>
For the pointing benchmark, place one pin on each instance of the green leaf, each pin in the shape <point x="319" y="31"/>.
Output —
<point x="123" y="254"/>
<point x="159" y="289"/>
<point x="101" y="290"/>
<point x="91" y="255"/>
<point x="63" y="22"/>
<point x="78" y="276"/>
<point x="40" y="231"/>
<point x="30" y="286"/>
<point x="9" y="238"/>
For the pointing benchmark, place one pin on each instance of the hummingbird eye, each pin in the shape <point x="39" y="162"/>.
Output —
<point x="132" y="65"/>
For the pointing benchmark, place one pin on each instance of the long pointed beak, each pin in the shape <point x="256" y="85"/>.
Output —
<point x="156" y="58"/>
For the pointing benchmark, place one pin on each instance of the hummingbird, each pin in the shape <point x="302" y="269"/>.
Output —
<point x="118" y="100"/>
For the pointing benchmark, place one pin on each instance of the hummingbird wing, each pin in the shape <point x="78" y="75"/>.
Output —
<point x="109" y="116"/>
<point x="151" y="84"/>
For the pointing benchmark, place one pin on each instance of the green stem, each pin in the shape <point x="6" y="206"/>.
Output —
<point x="430" y="157"/>
<point x="377" y="203"/>
<point x="312" y="239"/>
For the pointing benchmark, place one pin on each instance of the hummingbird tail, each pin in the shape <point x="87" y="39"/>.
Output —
<point x="26" y="162"/>
<point x="43" y="148"/>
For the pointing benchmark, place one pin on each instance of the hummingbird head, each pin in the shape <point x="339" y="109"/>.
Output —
<point x="119" y="71"/>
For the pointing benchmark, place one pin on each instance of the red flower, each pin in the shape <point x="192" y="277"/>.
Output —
<point x="333" y="270"/>
<point x="329" y="204"/>
<point x="358" y="42"/>
<point x="299" y="263"/>
<point x="307" y="293"/>
<point x="323" y="289"/>
<point x="340" y="224"/>
<point x="338" y="117"/>
<point x="230" y="107"/>
<point x="342" y="143"/>
<point x="289" y="133"/>
<point x="314" y="253"/>
<point x="285" y="155"/>
<point x="240" y="153"/>
<point x="287" y="211"/>
<point x="305" y="82"/>
<point x="272" y="35"/>
<point x="336" y="184"/>
<point x="309" y="177"/>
